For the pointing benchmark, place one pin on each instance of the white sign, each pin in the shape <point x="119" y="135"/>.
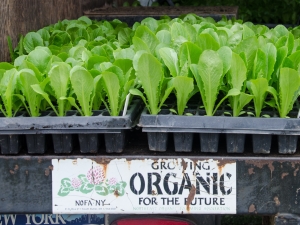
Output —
<point x="144" y="186"/>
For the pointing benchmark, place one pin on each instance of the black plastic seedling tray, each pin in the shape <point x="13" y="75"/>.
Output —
<point x="63" y="131"/>
<point x="210" y="127"/>
<point x="130" y="15"/>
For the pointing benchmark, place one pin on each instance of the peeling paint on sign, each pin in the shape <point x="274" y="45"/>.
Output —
<point x="144" y="186"/>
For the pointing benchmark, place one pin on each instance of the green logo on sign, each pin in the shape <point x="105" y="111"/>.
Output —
<point x="94" y="180"/>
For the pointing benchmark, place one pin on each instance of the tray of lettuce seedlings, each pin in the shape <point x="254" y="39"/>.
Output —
<point x="69" y="80"/>
<point x="246" y="78"/>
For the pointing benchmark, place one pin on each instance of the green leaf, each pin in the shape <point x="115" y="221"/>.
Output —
<point x="119" y="72"/>
<point x="260" y="67"/>
<point x="44" y="33"/>
<point x="148" y="37"/>
<point x="94" y="61"/>
<point x="136" y="58"/>
<point x="77" y="33"/>
<point x="231" y="92"/>
<point x="238" y="102"/>
<point x="28" y="65"/>
<point x="8" y="86"/>
<point x="183" y="86"/>
<point x="98" y="93"/>
<point x="207" y="42"/>
<point x="112" y="88"/>
<point x="6" y="66"/>
<point x="120" y="190"/>
<point x="189" y="52"/>
<point x="223" y="37"/>
<point x="247" y="32"/>
<point x="150" y="73"/>
<point x="37" y="88"/>
<point x="101" y="190"/>
<point x="164" y="36"/>
<point x="140" y="94"/>
<point x="295" y="58"/>
<point x="27" y="79"/>
<point x="225" y="54"/>
<point x="178" y="30"/>
<point x="281" y="30"/>
<point x="248" y="47"/>
<point x="83" y="178"/>
<point x="170" y="59"/>
<point x="83" y="84"/>
<point x="191" y="33"/>
<point x="289" y="83"/>
<point x="151" y="23"/>
<point x="32" y="40"/>
<point x="271" y="53"/>
<point x="235" y="39"/>
<point x="140" y="45"/>
<point x="237" y="72"/>
<point x="86" y="188"/>
<point x="173" y="111"/>
<point x="41" y="58"/>
<point x="105" y="51"/>
<point x="281" y="55"/>
<point x="208" y="75"/>
<point x="167" y="91"/>
<point x="258" y="88"/>
<point x="124" y="36"/>
<point x="60" y="39"/>
<point x="63" y="191"/>
<point x="19" y="60"/>
<point x="111" y="189"/>
<point x="59" y="80"/>
<point x="66" y="182"/>
<point x="124" y="64"/>
<point x="126" y="53"/>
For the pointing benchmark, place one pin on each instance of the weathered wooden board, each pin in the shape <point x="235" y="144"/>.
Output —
<point x="21" y="16"/>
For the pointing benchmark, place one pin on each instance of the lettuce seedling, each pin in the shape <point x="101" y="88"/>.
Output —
<point x="145" y="39"/>
<point x="209" y="73"/>
<point x="8" y="85"/>
<point x="59" y="77"/>
<point x="84" y="86"/>
<point x="259" y="89"/>
<point x="40" y="57"/>
<point x="149" y="71"/>
<point x="284" y="98"/>
<point x="236" y="78"/>
<point x="27" y="78"/>
<point x="185" y="89"/>
<point x="117" y="80"/>
<point x="264" y="62"/>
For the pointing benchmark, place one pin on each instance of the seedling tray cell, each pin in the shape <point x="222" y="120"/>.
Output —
<point x="36" y="143"/>
<point x="115" y="143"/>
<point x="261" y="143"/>
<point x="89" y="143"/>
<point x="183" y="142"/>
<point x="235" y="128"/>
<point x="287" y="144"/>
<point x="209" y="142"/>
<point x="157" y="141"/>
<point x="62" y="143"/>
<point x="235" y="143"/>
<point x="10" y="144"/>
<point x="64" y="129"/>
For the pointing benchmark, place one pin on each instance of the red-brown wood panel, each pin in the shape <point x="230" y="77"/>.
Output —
<point x="21" y="16"/>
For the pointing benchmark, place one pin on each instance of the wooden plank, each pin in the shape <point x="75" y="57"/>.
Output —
<point x="21" y="16"/>
<point x="4" y="28"/>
